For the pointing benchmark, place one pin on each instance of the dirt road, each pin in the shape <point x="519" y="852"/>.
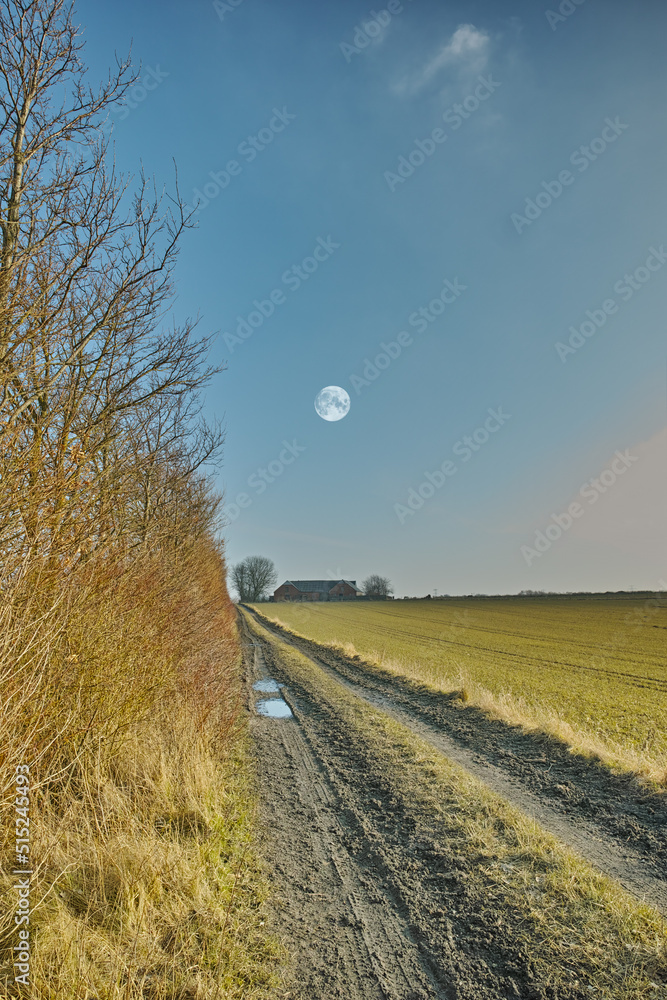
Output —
<point x="373" y="903"/>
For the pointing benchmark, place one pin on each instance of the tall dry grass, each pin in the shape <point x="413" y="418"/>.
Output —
<point x="121" y="692"/>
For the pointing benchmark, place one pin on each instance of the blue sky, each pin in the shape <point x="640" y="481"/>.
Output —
<point x="298" y="116"/>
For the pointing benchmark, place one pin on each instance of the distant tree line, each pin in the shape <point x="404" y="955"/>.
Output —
<point x="255" y="578"/>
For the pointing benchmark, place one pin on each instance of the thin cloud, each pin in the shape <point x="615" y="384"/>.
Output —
<point x="466" y="51"/>
<point x="628" y="515"/>
<point x="631" y="516"/>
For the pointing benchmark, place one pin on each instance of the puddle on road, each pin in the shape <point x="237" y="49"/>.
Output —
<point x="267" y="686"/>
<point x="274" y="708"/>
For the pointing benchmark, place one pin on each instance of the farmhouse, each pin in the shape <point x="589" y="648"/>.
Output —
<point x="317" y="590"/>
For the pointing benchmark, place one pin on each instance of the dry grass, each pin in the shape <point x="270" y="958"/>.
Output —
<point x="121" y="692"/>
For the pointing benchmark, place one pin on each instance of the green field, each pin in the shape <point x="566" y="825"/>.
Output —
<point x="592" y="670"/>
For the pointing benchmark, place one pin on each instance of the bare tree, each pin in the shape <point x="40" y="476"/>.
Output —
<point x="239" y="574"/>
<point x="97" y="395"/>
<point x="254" y="578"/>
<point x="377" y="586"/>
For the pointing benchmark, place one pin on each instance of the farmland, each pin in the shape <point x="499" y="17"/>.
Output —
<point x="590" y="670"/>
<point x="405" y="866"/>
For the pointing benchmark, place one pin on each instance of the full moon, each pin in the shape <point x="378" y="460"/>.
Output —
<point x="332" y="403"/>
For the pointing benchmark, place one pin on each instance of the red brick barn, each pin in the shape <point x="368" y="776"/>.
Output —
<point x="316" y="590"/>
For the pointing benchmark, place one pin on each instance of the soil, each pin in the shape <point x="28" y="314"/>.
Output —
<point x="372" y="902"/>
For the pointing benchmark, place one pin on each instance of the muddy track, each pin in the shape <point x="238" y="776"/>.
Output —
<point x="611" y="820"/>
<point x="371" y="904"/>
<point x="348" y="935"/>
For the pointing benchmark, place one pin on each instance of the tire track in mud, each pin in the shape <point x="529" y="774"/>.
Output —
<point x="348" y="935"/>
<point x="618" y="826"/>
<point x="372" y="928"/>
